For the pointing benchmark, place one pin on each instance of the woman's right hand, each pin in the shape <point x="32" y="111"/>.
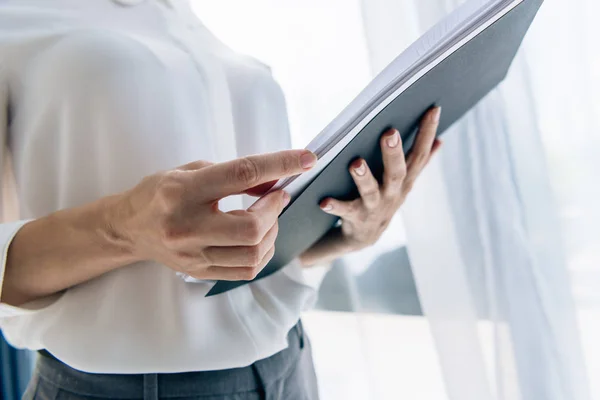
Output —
<point x="173" y="217"/>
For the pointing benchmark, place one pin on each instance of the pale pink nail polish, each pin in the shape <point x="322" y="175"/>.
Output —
<point x="393" y="140"/>
<point x="308" y="160"/>
<point x="361" y="169"/>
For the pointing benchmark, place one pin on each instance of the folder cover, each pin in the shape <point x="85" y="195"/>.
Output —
<point x="457" y="84"/>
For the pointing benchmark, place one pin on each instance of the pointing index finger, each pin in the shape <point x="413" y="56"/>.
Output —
<point x="236" y="176"/>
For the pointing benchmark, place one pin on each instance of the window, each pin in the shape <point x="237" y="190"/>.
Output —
<point x="318" y="53"/>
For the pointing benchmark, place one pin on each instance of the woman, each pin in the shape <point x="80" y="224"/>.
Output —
<point x="130" y="127"/>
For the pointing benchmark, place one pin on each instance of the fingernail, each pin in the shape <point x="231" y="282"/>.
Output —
<point x="327" y="207"/>
<point x="308" y="160"/>
<point x="361" y="169"/>
<point x="437" y="112"/>
<point x="286" y="198"/>
<point x="393" y="140"/>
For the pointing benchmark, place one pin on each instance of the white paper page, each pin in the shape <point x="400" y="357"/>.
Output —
<point x="431" y="41"/>
<point x="436" y="45"/>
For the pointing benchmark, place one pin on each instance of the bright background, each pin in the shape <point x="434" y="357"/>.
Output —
<point x="370" y="338"/>
<point x="320" y="55"/>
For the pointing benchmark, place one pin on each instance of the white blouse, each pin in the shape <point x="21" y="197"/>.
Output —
<point x="95" y="95"/>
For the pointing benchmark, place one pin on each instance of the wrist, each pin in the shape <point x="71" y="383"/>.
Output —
<point x="112" y="228"/>
<point x="344" y="244"/>
<point x="331" y="246"/>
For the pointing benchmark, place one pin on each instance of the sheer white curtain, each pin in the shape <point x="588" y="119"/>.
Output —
<point x="503" y="231"/>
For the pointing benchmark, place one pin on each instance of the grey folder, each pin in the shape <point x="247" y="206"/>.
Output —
<point x="456" y="84"/>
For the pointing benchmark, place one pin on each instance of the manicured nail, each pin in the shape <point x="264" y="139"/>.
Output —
<point x="361" y="169"/>
<point x="286" y="198"/>
<point x="437" y="112"/>
<point x="394" y="139"/>
<point x="308" y="160"/>
<point x="327" y="207"/>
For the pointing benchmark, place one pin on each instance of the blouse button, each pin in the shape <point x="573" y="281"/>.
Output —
<point x="129" y="2"/>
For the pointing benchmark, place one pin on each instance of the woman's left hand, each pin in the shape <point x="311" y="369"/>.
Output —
<point x="366" y="218"/>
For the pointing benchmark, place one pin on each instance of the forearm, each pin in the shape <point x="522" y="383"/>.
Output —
<point x="64" y="249"/>
<point x="331" y="246"/>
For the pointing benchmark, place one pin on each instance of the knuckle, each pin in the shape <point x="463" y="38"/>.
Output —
<point x="269" y="256"/>
<point x="170" y="178"/>
<point x="206" y="258"/>
<point x="393" y="194"/>
<point x="170" y="191"/>
<point x="246" y="171"/>
<point x="254" y="256"/>
<point x="363" y="218"/>
<point x="252" y="231"/>
<point x="184" y="258"/>
<point x="398" y="175"/>
<point x="372" y="194"/>
<point x="249" y="273"/>
<point x="355" y="207"/>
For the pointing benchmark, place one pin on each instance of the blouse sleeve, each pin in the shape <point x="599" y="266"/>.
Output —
<point x="8" y="230"/>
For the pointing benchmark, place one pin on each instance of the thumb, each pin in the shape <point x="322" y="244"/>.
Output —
<point x="260" y="189"/>
<point x="275" y="202"/>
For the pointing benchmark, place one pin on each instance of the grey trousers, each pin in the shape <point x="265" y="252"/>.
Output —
<point x="287" y="375"/>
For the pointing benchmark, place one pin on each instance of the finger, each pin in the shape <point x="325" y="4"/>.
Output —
<point x="228" y="274"/>
<point x="248" y="227"/>
<point x="344" y="209"/>
<point x="420" y="152"/>
<point x="260" y="189"/>
<point x="238" y="273"/>
<point x="242" y="256"/>
<point x="437" y="144"/>
<point x="367" y="185"/>
<point x="394" y="163"/>
<point x="237" y="176"/>
<point x="194" y="165"/>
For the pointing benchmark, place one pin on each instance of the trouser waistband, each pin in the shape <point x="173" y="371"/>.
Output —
<point x="189" y="384"/>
